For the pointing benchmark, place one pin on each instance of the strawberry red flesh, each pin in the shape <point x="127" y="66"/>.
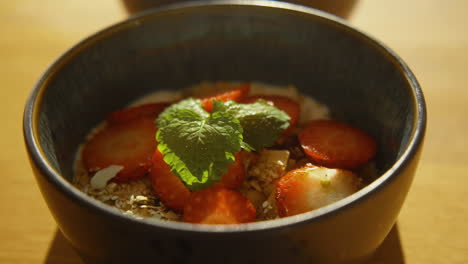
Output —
<point x="236" y="95"/>
<point x="174" y="194"/>
<point x="217" y="205"/>
<point x="128" y="114"/>
<point x="334" y="144"/>
<point x="235" y="175"/>
<point x="129" y="144"/>
<point x="170" y="189"/>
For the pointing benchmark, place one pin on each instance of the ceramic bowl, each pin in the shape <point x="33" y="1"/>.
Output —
<point x="362" y="81"/>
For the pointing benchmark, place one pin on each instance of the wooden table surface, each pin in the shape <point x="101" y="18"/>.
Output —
<point x="431" y="35"/>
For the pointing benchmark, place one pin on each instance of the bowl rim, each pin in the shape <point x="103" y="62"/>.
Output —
<point x="36" y="153"/>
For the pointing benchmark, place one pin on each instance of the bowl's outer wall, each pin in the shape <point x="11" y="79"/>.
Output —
<point x="348" y="236"/>
<point x="355" y="77"/>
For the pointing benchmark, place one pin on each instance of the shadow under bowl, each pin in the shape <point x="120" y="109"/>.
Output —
<point x="363" y="83"/>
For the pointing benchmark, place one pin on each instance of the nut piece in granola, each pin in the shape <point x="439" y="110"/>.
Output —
<point x="100" y="179"/>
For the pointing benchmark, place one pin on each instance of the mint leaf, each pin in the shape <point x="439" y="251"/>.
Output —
<point x="198" y="146"/>
<point x="262" y="122"/>
<point x="187" y="104"/>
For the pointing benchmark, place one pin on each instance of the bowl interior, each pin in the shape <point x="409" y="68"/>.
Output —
<point x="361" y="82"/>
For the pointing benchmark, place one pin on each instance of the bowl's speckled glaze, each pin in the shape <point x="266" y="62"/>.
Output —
<point x="363" y="83"/>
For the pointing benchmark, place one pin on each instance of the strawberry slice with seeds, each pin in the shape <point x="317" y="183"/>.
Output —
<point x="127" y="114"/>
<point x="235" y="175"/>
<point x="170" y="189"/>
<point x="236" y="95"/>
<point x="285" y="104"/>
<point x="311" y="187"/>
<point x="334" y="144"/>
<point x="217" y="205"/>
<point x="174" y="194"/>
<point x="129" y="144"/>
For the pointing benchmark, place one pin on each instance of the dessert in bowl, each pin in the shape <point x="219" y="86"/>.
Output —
<point x="284" y="155"/>
<point x="363" y="84"/>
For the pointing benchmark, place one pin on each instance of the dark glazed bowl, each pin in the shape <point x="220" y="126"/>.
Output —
<point x="362" y="81"/>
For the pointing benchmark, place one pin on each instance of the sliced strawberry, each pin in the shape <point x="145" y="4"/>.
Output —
<point x="285" y="104"/>
<point x="127" y="114"/>
<point x="235" y="175"/>
<point x="337" y="145"/>
<point x="311" y="187"/>
<point x="130" y="144"/>
<point x="170" y="189"/>
<point x="236" y="95"/>
<point x="174" y="194"/>
<point x="216" y="205"/>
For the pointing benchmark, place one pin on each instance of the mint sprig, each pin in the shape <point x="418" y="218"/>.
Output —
<point x="262" y="122"/>
<point x="199" y="146"/>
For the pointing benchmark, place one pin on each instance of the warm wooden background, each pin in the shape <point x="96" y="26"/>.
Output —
<point x="431" y="35"/>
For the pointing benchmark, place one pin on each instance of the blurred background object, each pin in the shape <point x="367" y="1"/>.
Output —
<point x="342" y="8"/>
